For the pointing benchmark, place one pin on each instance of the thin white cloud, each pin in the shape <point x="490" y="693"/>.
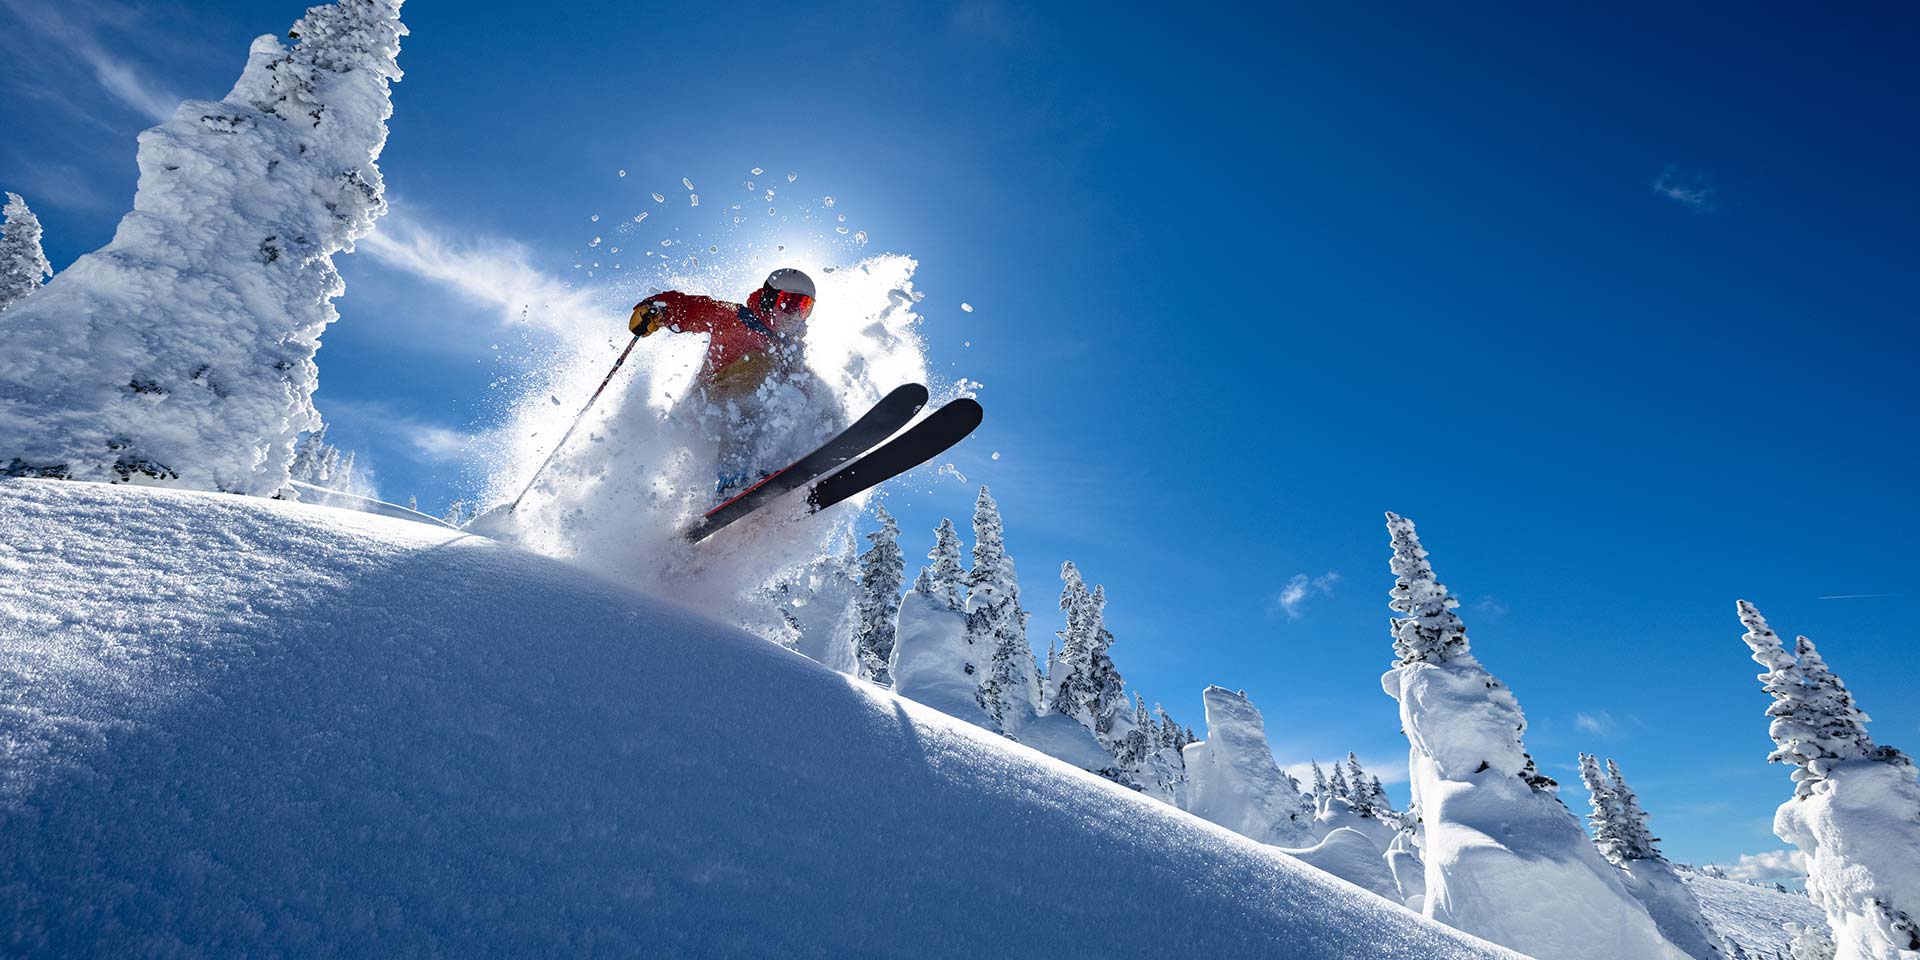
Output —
<point x="75" y="27"/>
<point x="436" y="443"/>
<point x="431" y="442"/>
<point x="492" y="271"/>
<point x="1859" y="596"/>
<point x="1695" y="190"/>
<point x="1599" y="723"/>
<point x="1490" y="607"/>
<point x="1295" y="594"/>
<point x="1773" y="865"/>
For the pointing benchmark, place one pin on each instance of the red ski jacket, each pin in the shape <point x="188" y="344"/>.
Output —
<point x="744" y="344"/>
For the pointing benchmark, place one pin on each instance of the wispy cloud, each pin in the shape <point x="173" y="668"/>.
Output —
<point x="1295" y="594"/>
<point x="1599" y="723"/>
<point x="74" y="27"/>
<point x="1859" y="596"/>
<point x="1693" y="189"/>
<point x="491" y="271"/>
<point x="431" y="442"/>
<point x="1490" y="607"/>
<point x="1772" y="865"/>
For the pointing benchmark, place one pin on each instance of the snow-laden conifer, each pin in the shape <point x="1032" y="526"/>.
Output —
<point x="182" y="352"/>
<point x="1069" y="672"/>
<point x="1505" y="860"/>
<point x="946" y="580"/>
<point x="1636" y="839"/>
<point x="23" y="263"/>
<point x="1621" y="834"/>
<point x="1430" y="632"/>
<point x="1320" y="784"/>
<point x="881" y="568"/>
<point x="1146" y="750"/>
<point x="1855" y="811"/>
<point x="1009" y="691"/>
<point x="1337" y="786"/>
<point x="1359" y="793"/>
<point x="1605" y="818"/>
<point x="1103" y="696"/>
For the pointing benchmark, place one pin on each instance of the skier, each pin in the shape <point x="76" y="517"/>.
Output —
<point x="755" y="393"/>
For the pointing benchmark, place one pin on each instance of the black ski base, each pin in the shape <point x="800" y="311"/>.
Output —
<point x="889" y="415"/>
<point x="927" y="439"/>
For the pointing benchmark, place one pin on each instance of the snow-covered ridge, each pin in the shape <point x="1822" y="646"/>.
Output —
<point x="252" y="727"/>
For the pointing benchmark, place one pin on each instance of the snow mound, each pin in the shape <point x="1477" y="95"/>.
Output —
<point x="1751" y="916"/>
<point x="1235" y="781"/>
<point x="1354" y="857"/>
<point x="247" y="727"/>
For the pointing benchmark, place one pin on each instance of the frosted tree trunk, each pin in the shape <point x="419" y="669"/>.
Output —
<point x="182" y="352"/>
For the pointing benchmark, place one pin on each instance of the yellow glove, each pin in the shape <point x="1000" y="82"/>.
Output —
<point x="648" y="316"/>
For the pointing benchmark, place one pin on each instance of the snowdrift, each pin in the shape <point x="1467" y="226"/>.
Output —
<point x="246" y="727"/>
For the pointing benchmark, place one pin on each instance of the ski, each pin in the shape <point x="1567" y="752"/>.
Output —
<point x="927" y="439"/>
<point x="890" y="414"/>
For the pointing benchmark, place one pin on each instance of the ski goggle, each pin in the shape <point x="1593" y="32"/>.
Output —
<point x="788" y="302"/>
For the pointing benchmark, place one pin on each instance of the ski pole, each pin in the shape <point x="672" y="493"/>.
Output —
<point x="515" y="505"/>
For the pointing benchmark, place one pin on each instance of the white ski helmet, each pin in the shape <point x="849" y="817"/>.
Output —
<point x="789" y="280"/>
<point x="788" y="292"/>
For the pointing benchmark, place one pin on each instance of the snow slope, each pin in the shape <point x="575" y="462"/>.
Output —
<point x="246" y="727"/>
<point x="1750" y="915"/>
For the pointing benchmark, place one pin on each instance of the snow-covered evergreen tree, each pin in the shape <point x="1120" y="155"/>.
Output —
<point x="1320" y="784"/>
<point x="1359" y="793"/>
<point x="1605" y="818"/>
<point x="1010" y="685"/>
<point x="881" y="568"/>
<point x="1069" y="673"/>
<point x="1168" y="761"/>
<point x="1621" y="834"/>
<point x="182" y="352"/>
<point x="23" y="263"/>
<point x="1505" y="859"/>
<point x="1107" y="698"/>
<point x="1636" y="839"/>
<point x="946" y="580"/>
<point x="310" y="458"/>
<point x="1083" y="682"/>
<point x="1855" y="812"/>
<point x="1337" y="786"/>
<point x="1381" y="806"/>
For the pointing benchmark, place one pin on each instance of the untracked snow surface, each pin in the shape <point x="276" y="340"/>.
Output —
<point x="1751" y="916"/>
<point x="243" y="727"/>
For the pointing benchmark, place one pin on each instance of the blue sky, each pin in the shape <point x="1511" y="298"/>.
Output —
<point x="1617" y="304"/>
